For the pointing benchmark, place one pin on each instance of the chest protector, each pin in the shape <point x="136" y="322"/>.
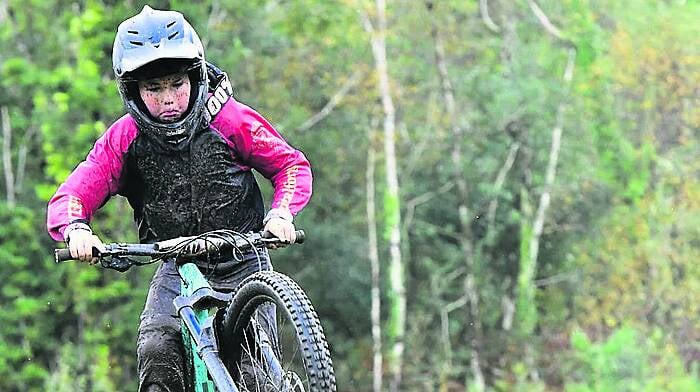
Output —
<point x="198" y="189"/>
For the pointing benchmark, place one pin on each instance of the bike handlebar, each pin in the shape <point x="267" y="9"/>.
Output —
<point x="188" y="247"/>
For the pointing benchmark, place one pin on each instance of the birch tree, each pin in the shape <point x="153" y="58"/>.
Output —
<point x="471" y="293"/>
<point x="7" y="156"/>
<point x="373" y="256"/>
<point x="396" y="290"/>
<point x="531" y="230"/>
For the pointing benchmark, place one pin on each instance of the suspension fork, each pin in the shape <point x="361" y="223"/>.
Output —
<point x="262" y="340"/>
<point x="193" y="307"/>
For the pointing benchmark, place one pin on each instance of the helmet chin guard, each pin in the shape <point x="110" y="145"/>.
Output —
<point x="153" y="44"/>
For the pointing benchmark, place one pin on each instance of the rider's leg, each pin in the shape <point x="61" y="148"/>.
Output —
<point x="227" y="278"/>
<point x="161" y="358"/>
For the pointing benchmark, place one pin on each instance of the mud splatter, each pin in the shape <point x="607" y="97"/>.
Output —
<point x="199" y="189"/>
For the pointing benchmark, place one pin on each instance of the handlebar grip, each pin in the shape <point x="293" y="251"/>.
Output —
<point x="62" y="255"/>
<point x="301" y="236"/>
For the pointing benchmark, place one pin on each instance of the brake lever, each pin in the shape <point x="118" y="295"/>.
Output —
<point x="117" y="263"/>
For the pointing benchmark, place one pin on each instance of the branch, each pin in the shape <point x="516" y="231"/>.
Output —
<point x="544" y="21"/>
<point x="429" y="195"/>
<point x="498" y="184"/>
<point x="457" y="134"/>
<point x="484" y="9"/>
<point x="545" y="198"/>
<point x="558" y="278"/>
<point x="216" y="16"/>
<point x="450" y="277"/>
<point x="413" y="203"/>
<point x="456" y="304"/>
<point x="333" y="102"/>
<point x="366" y="22"/>
<point x="414" y="161"/>
<point x="22" y="157"/>
<point x="445" y="330"/>
<point x="442" y="230"/>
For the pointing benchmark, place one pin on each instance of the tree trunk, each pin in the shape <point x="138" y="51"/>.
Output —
<point x="396" y="291"/>
<point x="22" y="158"/>
<point x="474" y="334"/>
<point x="7" y="156"/>
<point x="532" y="226"/>
<point x="530" y="235"/>
<point x="373" y="255"/>
<point x="3" y="12"/>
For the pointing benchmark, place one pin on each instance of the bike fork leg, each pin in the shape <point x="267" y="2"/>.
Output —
<point x="205" y="341"/>
<point x="270" y="358"/>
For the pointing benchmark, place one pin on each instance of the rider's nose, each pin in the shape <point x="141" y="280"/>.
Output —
<point x="168" y="97"/>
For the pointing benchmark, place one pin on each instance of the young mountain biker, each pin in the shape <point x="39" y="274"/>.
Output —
<point x="182" y="156"/>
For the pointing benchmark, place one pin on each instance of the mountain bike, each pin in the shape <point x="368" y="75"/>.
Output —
<point x="222" y="331"/>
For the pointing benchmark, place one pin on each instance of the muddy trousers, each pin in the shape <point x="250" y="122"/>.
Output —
<point x="162" y="365"/>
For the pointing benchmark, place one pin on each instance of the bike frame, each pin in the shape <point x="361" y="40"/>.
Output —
<point x="197" y="307"/>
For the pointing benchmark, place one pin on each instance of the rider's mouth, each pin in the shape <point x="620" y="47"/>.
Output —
<point x="170" y="116"/>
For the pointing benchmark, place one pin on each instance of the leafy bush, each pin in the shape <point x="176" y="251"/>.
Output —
<point x="628" y="361"/>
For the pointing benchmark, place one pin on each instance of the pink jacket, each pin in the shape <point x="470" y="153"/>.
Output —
<point x="252" y="140"/>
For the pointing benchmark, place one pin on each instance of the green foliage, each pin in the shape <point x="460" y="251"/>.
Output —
<point x="628" y="361"/>
<point x="526" y="307"/>
<point x="521" y="381"/>
<point x="22" y="346"/>
<point x="618" y="364"/>
<point x="617" y="257"/>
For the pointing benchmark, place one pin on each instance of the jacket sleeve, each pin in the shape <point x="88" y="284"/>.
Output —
<point x="93" y="181"/>
<point x="260" y="146"/>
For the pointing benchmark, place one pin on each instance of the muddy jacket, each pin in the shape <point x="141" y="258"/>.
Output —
<point x="207" y="186"/>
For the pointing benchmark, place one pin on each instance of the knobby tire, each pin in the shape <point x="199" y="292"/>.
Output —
<point x="292" y="305"/>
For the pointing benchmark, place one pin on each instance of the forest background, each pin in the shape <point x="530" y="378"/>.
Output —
<point x="506" y="194"/>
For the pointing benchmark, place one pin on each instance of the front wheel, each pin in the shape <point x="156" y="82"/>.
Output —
<point x="271" y="339"/>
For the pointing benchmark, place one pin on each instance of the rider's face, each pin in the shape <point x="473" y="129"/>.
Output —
<point x="167" y="97"/>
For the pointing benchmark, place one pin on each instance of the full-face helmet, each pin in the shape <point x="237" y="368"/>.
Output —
<point x="153" y="44"/>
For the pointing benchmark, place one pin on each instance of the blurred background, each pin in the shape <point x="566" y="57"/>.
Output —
<point x="506" y="194"/>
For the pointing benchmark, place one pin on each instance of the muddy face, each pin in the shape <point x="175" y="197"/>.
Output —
<point x="166" y="98"/>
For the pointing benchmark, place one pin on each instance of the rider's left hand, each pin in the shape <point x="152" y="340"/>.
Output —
<point x="282" y="229"/>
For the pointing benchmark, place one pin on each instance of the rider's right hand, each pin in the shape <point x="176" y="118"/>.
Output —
<point x="81" y="242"/>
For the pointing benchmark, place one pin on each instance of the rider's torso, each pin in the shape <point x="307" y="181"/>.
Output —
<point x="198" y="189"/>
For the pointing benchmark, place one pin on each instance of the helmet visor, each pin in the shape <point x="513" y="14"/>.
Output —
<point x="162" y="67"/>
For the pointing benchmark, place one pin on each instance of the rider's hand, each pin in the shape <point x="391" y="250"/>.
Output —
<point x="81" y="242"/>
<point x="282" y="229"/>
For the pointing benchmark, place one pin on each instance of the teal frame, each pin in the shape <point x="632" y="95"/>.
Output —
<point x="197" y="320"/>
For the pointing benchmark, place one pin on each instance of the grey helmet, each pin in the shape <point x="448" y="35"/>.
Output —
<point x="155" y="43"/>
